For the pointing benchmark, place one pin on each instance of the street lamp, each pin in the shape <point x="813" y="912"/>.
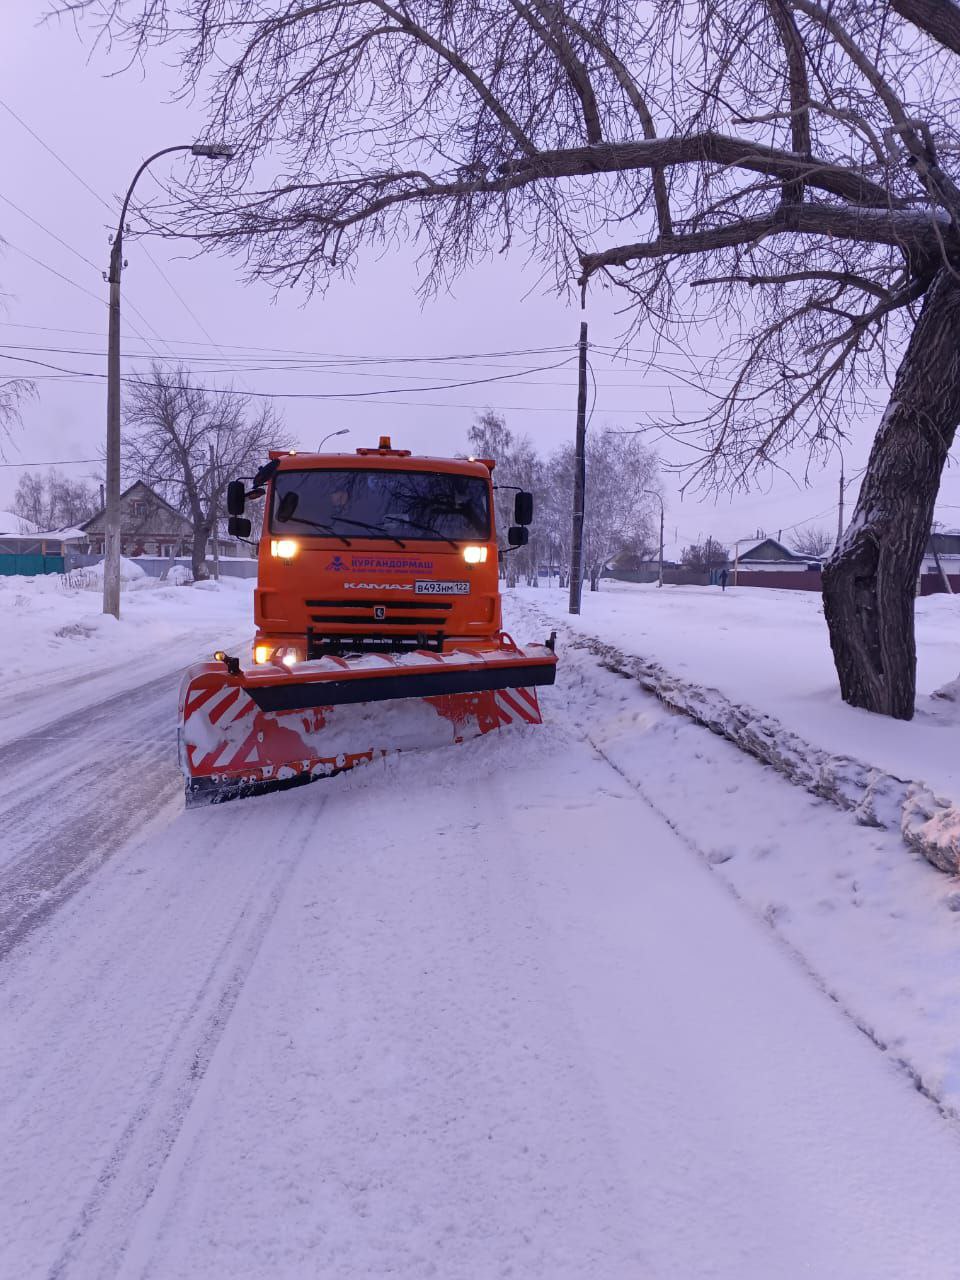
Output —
<point x="652" y="493"/>
<point x="344" y="431"/>
<point x="111" y="549"/>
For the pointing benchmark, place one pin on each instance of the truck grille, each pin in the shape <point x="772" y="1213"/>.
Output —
<point x="381" y="611"/>
<point x="369" y="625"/>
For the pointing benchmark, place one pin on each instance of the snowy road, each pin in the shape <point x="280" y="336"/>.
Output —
<point x="467" y="1014"/>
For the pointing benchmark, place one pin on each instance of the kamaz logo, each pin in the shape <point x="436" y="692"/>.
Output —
<point x="336" y="565"/>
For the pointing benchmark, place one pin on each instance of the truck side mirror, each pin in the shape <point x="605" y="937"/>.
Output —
<point x="523" y="508"/>
<point x="517" y="535"/>
<point x="239" y="527"/>
<point x="236" y="497"/>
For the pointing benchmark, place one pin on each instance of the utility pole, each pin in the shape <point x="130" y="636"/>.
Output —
<point x="111" y="539"/>
<point x="111" y="529"/>
<point x="653" y="494"/>
<point x="579" y="478"/>
<point x="213" y="514"/>
<point x="840" y="507"/>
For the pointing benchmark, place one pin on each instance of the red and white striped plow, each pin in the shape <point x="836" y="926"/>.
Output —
<point x="239" y="734"/>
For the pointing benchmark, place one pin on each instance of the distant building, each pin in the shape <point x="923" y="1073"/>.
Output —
<point x="150" y="526"/>
<point x="770" y="556"/>
<point x="29" y="551"/>
<point x="941" y="558"/>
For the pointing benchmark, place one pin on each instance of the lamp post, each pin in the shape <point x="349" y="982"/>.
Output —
<point x="111" y="549"/>
<point x="653" y="494"/>
<point x="344" y="431"/>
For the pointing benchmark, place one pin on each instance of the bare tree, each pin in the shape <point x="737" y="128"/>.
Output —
<point x="706" y="555"/>
<point x="31" y="500"/>
<point x="169" y="426"/>
<point x="788" y="170"/>
<point x="618" y="512"/>
<point x="518" y="466"/>
<point x="813" y="541"/>
<point x="53" y="501"/>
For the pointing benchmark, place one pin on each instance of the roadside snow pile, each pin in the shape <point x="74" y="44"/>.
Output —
<point x="59" y="651"/>
<point x="764" y="648"/>
<point x="130" y="571"/>
<point x="877" y="926"/>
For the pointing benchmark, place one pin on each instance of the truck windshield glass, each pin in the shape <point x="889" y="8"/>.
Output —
<point x="426" y="505"/>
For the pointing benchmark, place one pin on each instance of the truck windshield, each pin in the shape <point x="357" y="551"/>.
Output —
<point x="429" y="505"/>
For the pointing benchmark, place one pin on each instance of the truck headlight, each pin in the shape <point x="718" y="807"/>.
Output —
<point x="284" y="548"/>
<point x="261" y="653"/>
<point x="475" y="555"/>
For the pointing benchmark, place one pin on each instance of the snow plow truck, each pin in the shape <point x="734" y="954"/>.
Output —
<point x="378" y="623"/>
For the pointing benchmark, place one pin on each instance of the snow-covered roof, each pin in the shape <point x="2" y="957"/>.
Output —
<point x="67" y="534"/>
<point x="11" y="523"/>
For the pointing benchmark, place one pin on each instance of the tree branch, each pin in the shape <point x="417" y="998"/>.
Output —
<point x="938" y="18"/>
<point x="792" y="277"/>
<point x="705" y="148"/>
<point x="553" y="36"/>
<point x="898" y="227"/>
<point x="798" y="87"/>
<point x="636" y="99"/>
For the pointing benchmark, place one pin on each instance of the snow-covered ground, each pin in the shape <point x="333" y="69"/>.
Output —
<point x="475" y="1013"/>
<point x="769" y="649"/>
<point x="60" y="653"/>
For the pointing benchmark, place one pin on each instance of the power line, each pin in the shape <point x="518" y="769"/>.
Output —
<point x="57" y="462"/>
<point x="319" y="395"/>
<point x="96" y="195"/>
<point x="191" y="362"/>
<point x="59" y="159"/>
<point x="37" y="223"/>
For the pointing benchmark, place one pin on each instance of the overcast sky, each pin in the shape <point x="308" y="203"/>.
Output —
<point x="103" y="125"/>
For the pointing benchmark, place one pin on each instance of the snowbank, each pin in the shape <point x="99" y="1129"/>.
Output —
<point x="92" y="575"/>
<point x="755" y="665"/>
<point x="60" y="652"/>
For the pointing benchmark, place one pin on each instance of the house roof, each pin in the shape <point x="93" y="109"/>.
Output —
<point x="14" y="526"/>
<point x="151" y="493"/>
<point x="945" y="543"/>
<point x="68" y="533"/>
<point x="768" y="550"/>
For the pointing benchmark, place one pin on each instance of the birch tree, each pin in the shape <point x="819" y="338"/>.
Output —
<point x="170" y="425"/>
<point x="787" y="168"/>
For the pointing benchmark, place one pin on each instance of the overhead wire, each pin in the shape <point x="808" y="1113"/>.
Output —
<point x="106" y="204"/>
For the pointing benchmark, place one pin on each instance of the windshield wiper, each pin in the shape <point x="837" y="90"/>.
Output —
<point x="373" y="528"/>
<point x="427" y="528"/>
<point x="324" y="528"/>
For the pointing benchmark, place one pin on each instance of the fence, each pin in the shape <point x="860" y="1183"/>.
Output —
<point x="158" y="566"/>
<point x="671" y="577"/>
<point x="786" y="579"/>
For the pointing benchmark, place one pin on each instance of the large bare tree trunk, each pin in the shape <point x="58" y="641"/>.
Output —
<point x="198" y="556"/>
<point x="869" y="583"/>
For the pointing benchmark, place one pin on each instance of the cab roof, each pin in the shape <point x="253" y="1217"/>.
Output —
<point x="382" y="458"/>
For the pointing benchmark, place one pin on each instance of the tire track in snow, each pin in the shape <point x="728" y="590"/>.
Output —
<point x="76" y="793"/>
<point x="153" y="1131"/>
<point x="189" y="986"/>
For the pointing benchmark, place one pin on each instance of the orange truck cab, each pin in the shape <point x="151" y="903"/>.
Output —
<point x="375" y="551"/>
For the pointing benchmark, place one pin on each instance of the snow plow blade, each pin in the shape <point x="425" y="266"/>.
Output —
<point x="244" y="731"/>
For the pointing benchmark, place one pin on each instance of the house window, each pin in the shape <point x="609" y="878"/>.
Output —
<point x="137" y="506"/>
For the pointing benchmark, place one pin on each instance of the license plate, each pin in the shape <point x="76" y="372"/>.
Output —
<point x="430" y="587"/>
